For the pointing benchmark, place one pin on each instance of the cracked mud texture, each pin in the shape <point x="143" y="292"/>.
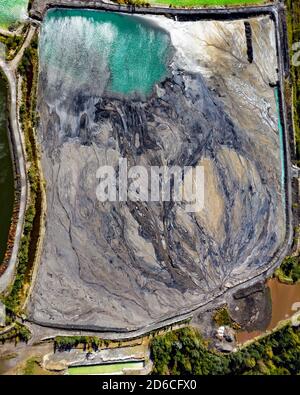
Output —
<point x="127" y="265"/>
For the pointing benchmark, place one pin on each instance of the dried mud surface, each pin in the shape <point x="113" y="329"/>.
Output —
<point x="122" y="266"/>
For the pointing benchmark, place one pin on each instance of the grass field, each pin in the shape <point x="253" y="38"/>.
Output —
<point x="12" y="11"/>
<point x="32" y="368"/>
<point x="104" y="369"/>
<point x="203" y="3"/>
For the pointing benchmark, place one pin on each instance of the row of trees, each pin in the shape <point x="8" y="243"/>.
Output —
<point x="289" y="271"/>
<point x="27" y="68"/>
<point x="17" y="333"/>
<point x="66" y="343"/>
<point x="185" y="352"/>
<point x="135" y="3"/>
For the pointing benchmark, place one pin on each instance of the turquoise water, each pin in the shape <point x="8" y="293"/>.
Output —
<point x="123" y="54"/>
<point x="6" y="175"/>
<point x="280" y="129"/>
<point x="12" y="11"/>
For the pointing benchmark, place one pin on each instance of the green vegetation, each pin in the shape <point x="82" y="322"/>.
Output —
<point x="205" y="3"/>
<point x="104" y="369"/>
<point x="222" y="318"/>
<point x="63" y="343"/>
<point x="8" y="191"/>
<point x="137" y="3"/>
<point x="28" y="69"/>
<point x="185" y="352"/>
<point x="293" y="7"/>
<point x="29" y="58"/>
<point x="17" y="333"/>
<point x="13" y="43"/>
<point x="11" y="11"/>
<point x="189" y="3"/>
<point x="32" y="367"/>
<point x="289" y="271"/>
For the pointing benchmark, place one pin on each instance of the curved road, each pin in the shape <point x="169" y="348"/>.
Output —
<point x="9" y="70"/>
